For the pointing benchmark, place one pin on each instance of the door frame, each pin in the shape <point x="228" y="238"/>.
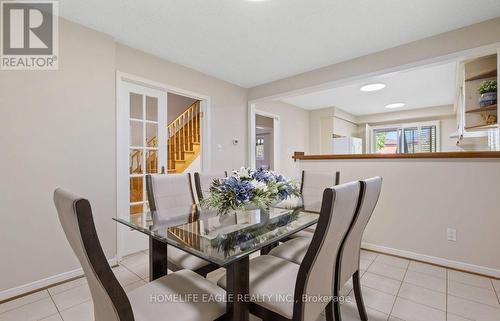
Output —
<point x="252" y="113"/>
<point x="205" y="104"/>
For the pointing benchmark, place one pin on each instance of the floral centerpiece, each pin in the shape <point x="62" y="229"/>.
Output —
<point x="249" y="189"/>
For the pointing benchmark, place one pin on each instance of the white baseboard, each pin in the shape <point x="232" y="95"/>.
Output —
<point x="43" y="283"/>
<point x="434" y="260"/>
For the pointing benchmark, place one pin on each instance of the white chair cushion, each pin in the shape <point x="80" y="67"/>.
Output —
<point x="178" y="283"/>
<point x="293" y="250"/>
<point x="271" y="280"/>
<point x="178" y="260"/>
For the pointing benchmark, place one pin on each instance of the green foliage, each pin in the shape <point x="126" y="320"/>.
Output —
<point x="487" y="86"/>
<point x="380" y="140"/>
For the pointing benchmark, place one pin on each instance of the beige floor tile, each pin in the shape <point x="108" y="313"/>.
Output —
<point x="387" y="271"/>
<point x="496" y="285"/>
<point x="423" y="296"/>
<point x="30" y="312"/>
<point x="30" y="298"/>
<point x="376" y="300"/>
<point x="426" y="281"/>
<point x="368" y="255"/>
<point x="392" y="261"/>
<point x="72" y="297"/>
<point x="346" y="288"/>
<point x="472" y="310"/>
<point x="55" y="317"/>
<point x="67" y="285"/>
<point x="124" y="275"/>
<point x="135" y="259"/>
<point x="454" y="317"/>
<point x="392" y="318"/>
<point x="350" y="313"/>
<point x="411" y="311"/>
<point x="380" y="283"/>
<point x="428" y="269"/>
<point x="470" y="279"/>
<point x="133" y="286"/>
<point x="473" y="293"/>
<point x="364" y="264"/>
<point x="141" y="270"/>
<point x="81" y="312"/>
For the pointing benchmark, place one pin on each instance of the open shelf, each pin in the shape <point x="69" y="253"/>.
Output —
<point x="482" y="109"/>
<point x="483" y="75"/>
<point x="483" y="126"/>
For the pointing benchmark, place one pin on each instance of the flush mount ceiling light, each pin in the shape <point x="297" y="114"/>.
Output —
<point x="395" y="105"/>
<point x="372" y="87"/>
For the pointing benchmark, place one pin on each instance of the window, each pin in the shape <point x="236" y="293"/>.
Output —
<point x="406" y="138"/>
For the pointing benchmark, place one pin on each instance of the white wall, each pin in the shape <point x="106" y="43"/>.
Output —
<point x="176" y="105"/>
<point x="229" y="102"/>
<point x="58" y="130"/>
<point x="421" y="198"/>
<point x="411" y="54"/>
<point x="294" y="132"/>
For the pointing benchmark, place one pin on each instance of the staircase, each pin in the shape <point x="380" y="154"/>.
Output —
<point x="184" y="139"/>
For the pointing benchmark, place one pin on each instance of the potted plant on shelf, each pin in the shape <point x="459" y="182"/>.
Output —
<point x="488" y="91"/>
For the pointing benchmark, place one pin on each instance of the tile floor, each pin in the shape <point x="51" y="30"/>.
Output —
<point x="394" y="289"/>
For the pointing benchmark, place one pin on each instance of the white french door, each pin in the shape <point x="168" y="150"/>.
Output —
<point x="142" y="150"/>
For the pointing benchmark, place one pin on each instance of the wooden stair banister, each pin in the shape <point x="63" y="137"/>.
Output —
<point x="184" y="138"/>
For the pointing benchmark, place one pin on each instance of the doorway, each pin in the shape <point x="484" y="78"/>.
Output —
<point x="151" y="135"/>
<point x="264" y="140"/>
<point x="264" y="136"/>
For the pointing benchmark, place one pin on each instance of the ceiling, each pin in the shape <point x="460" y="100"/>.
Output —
<point x="419" y="88"/>
<point x="250" y="43"/>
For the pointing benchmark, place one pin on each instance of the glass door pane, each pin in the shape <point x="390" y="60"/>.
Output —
<point x="143" y="147"/>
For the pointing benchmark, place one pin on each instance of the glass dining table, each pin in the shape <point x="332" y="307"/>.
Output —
<point x="222" y="240"/>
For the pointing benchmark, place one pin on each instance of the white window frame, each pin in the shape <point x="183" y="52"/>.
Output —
<point x="402" y="127"/>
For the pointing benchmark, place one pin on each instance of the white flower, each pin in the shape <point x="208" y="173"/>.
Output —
<point x="259" y="185"/>
<point x="244" y="172"/>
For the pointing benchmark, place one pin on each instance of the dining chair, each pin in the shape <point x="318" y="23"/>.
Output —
<point x="171" y="195"/>
<point x="295" y="249"/>
<point x="202" y="182"/>
<point x="111" y="303"/>
<point x="288" y="291"/>
<point x="311" y="188"/>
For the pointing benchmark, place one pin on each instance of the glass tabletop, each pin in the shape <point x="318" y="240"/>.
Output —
<point x="222" y="239"/>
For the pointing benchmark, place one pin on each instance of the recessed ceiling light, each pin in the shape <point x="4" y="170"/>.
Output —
<point x="395" y="105"/>
<point x="372" y="87"/>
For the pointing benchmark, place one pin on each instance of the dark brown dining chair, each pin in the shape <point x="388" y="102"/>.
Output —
<point x="202" y="182"/>
<point x="283" y="288"/>
<point x="111" y="303"/>
<point x="295" y="249"/>
<point x="171" y="195"/>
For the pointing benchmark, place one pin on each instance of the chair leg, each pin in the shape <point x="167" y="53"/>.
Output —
<point x="329" y="312"/>
<point x="359" y="297"/>
<point x="336" y="310"/>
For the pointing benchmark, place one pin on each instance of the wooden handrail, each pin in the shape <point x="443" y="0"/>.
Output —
<point x="183" y="132"/>
<point x="185" y="112"/>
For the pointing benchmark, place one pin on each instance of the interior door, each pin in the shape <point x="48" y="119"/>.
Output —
<point x="142" y="150"/>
